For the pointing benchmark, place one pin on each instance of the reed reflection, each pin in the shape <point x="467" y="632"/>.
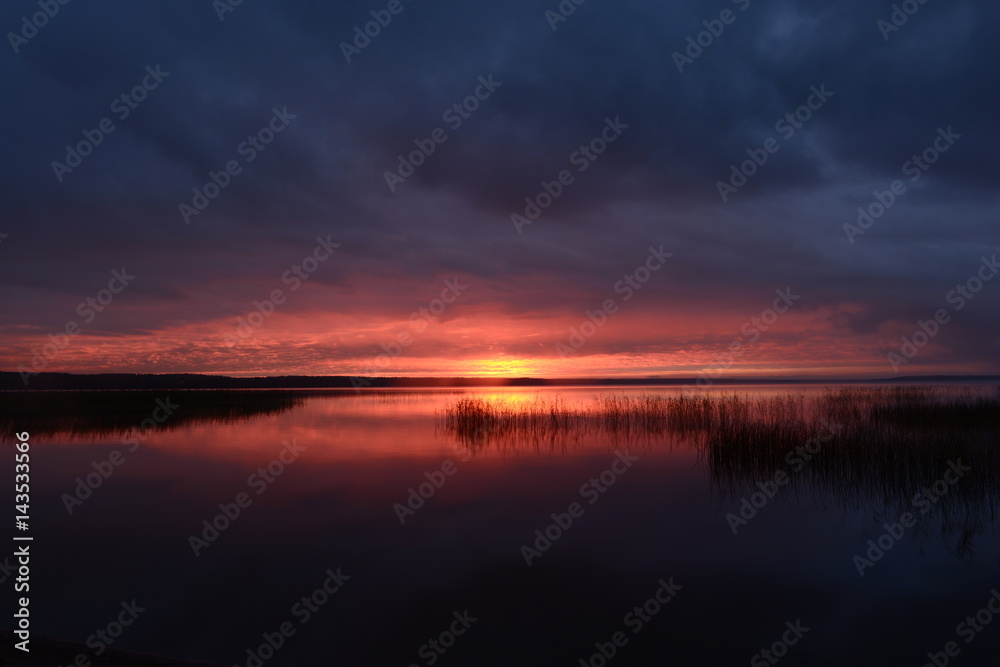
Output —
<point x="880" y="450"/>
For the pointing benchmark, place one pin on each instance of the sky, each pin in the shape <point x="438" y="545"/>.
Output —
<point x="636" y="189"/>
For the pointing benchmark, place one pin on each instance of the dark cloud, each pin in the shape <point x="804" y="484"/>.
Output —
<point x="324" y="174"/>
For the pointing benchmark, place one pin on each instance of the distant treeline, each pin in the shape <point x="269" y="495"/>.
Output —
<point x="10" y="381"/>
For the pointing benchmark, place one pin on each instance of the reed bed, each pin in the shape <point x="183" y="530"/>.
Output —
<point x="888" y="443"/>
<point x="476" y="420"/>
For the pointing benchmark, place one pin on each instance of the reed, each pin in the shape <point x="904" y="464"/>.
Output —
<point x="891" y="443"/>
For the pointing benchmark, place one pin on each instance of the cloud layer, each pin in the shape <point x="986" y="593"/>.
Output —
<point x="552" y="92"/>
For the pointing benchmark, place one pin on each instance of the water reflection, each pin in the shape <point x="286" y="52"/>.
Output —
<point x="879" y="450"/>
<point x="108" y="413"/>
<point x="666" y="517"/>
<point x="929" y="451"/>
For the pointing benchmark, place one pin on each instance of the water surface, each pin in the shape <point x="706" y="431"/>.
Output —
<point x="336" y="505"/>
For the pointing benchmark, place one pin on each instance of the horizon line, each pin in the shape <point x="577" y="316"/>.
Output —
<point x="13" y="381"/>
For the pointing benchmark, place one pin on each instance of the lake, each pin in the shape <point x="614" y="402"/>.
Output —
<point x="360" y="528"/>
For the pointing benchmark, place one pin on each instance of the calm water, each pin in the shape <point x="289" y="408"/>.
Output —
<point x="658" y="514"/>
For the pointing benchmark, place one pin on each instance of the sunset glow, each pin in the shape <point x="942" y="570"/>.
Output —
<point x="474" y="333"/>
<point x="564" y="227"/>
